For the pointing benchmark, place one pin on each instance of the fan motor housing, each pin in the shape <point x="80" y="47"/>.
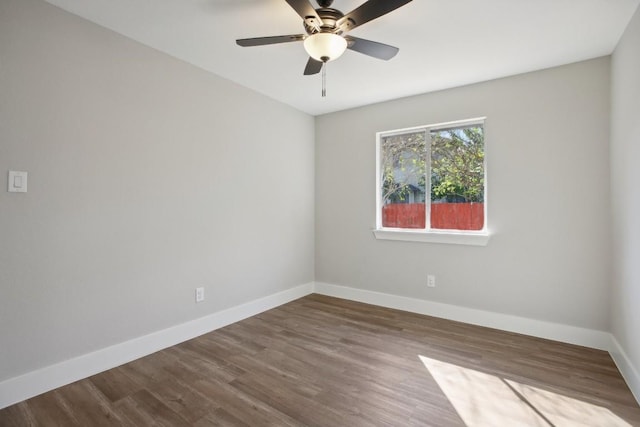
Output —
<point x="324" y="3"/>
<point x="329" y="18"/>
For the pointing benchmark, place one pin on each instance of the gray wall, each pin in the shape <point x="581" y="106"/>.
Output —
<point x="147" y="177"/>
<point x="625" y="193"/>
<point x="548" y="184"/>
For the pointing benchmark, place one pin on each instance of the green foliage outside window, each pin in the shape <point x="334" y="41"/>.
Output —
<point x="457" y="165"/>
<point x="403" y="166"/>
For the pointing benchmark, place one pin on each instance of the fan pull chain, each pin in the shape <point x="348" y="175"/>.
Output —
<point x="324" y="79"/>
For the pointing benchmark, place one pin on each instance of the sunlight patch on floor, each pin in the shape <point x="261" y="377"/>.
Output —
<point x="486" y="400"/>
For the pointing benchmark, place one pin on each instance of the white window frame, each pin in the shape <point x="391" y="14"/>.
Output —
<point x="427" y="235"/>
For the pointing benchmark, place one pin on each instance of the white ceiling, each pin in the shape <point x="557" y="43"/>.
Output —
<point x="443" y="43"/>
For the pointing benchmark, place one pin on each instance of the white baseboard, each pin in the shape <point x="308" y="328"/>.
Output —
<point x="33" y="383"/>
<point x="628" y="371"/>
<point x="554" y="331"/>
<point x="537" y="328"/>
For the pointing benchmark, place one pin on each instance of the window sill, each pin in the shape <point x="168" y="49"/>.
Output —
<point x="471" y="238"/>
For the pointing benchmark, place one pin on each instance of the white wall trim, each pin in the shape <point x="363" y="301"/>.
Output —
<point x="33" y="383"/>
<point x="537" y="328"/>
<point x="628" y="371"/>
<point x="450" y="237"/>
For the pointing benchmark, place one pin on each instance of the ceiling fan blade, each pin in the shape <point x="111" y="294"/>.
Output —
<point x="313" y="67"/>
<point x="261" y="41"/>
<point x="306" y="11"/>
<point x="368" y="11"/>
<point x="371" y="48"/>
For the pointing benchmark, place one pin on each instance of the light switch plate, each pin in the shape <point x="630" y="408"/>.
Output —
<point x="17" y="182"/>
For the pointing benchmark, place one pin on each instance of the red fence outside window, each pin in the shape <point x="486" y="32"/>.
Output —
<point x="447" y="216"/>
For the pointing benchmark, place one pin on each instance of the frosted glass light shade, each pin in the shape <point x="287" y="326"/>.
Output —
<point x="325" y="47"/>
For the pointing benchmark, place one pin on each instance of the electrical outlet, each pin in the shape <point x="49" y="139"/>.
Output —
<point x="199" y="294"/>
<point x="431" y="281"/>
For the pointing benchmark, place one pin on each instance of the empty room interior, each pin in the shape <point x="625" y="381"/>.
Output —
<point x="434" y="221"/>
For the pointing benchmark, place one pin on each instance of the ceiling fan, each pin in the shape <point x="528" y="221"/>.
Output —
<point x="325" y="28"/>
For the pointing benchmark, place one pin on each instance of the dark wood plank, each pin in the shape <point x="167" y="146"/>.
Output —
<point x="88" y="405"/>
<point x="47" y="409"/>
<point x="19" y="415"/>
<point x="322" y="361"/>
<point x="220" y="418"/>
<point x="115" y="384"/>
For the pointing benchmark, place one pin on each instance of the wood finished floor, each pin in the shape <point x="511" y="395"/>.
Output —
<point x="322" y="361"/>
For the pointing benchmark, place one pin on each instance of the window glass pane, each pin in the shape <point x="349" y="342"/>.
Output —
<point x="403" y="180"/>
<point x="457" y="178"/>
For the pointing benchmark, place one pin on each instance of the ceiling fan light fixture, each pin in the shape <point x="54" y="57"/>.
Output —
<point x="325" y="47"/>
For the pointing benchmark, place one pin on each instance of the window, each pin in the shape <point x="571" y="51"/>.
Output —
<point x="431" y="183"/>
